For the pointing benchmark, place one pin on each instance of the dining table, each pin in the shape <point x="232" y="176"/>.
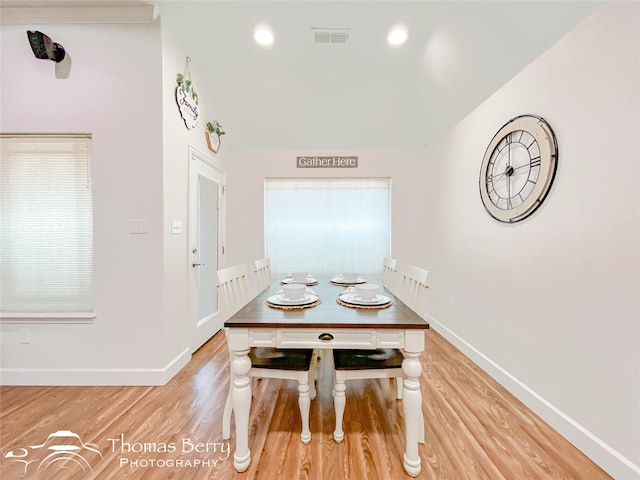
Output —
<point x="327" y="324"/>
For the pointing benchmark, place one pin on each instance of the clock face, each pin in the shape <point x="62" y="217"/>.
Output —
<point x="518" y="168"/>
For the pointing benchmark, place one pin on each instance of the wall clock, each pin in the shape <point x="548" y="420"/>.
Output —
<point x="518" y="168"/>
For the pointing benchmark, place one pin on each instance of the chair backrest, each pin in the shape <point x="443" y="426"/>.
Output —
<point x="263" y="273"/>
<point x="388" y="272"/>
<point x="412" y="287"/>
<point x="234" y="287"/>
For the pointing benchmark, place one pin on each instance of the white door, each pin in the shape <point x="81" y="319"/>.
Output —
<point x="205" y="201"/>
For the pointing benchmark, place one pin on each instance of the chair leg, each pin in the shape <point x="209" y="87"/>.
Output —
<point x="339" y="401"/>
<point x="305" y="405"/>
<point x="313" y="374"/>
<point x="399" y="383"/>
<point x="226" y="416"/>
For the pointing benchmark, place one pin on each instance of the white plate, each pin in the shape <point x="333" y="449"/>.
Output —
<point x="308" y="290"/>
<point x="344" y="282"/>
<point x="356" y="300"/>
<point x="281" y="300"/>
<point x="308" y="281"/>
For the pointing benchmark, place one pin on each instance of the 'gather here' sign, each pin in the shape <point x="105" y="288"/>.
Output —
<point x="327" y="162"/>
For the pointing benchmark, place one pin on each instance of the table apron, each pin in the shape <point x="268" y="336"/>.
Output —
<point x="330" y="338"/>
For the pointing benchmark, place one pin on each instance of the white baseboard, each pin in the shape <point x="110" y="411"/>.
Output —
<point x="95" y="376"/>
<point x="616" y="465"/>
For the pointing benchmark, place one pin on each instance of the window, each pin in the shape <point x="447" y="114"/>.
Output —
<point x="327" y="225"/>
<point x="46" y="227"/>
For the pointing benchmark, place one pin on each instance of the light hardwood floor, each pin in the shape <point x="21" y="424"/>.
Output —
<point x="474" y="428"/>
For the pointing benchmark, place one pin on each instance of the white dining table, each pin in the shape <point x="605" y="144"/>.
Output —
<point x="326" y="326"/>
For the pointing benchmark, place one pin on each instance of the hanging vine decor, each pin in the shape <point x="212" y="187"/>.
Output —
<point x="213" y="134"/>
<point x="187" y="97"/>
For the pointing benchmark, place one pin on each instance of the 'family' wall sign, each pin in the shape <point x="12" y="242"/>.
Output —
<point x="187" y="98"/>
<point x="327" y="162"/>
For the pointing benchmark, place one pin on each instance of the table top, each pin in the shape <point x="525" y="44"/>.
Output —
<point x="329" y="314"/>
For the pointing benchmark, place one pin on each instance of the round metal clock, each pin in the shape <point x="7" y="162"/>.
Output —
<point x="518" y="168"/>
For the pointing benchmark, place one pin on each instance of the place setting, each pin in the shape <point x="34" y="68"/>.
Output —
<point x="364" y="296"/>
<point x="347" y="279"/>
<point x="302" y="278"/>
<point x="294" y="296"/>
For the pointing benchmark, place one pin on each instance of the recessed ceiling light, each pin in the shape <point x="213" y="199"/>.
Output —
<point x="398" y="35"/>
<point x="263" y="35"/>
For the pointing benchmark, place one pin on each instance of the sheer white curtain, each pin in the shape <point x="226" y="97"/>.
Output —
<point x="46" y="220"/>
<point x="327" y="225"/>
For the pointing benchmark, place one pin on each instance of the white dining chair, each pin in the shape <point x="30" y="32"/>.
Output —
<point x="410" y="286"/>
<point x="358" y="365"/>
<point x="388" y="272"/>
<point x="287" y="364"/>
<point x="234" y="288"/>
<point x="263" y="273"/>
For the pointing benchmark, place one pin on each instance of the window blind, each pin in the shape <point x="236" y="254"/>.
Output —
<point x="327" y="225"/>
<point x="46" y="224"/>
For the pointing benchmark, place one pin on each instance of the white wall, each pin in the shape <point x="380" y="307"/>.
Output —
<point x="180" y="309"/>
<point x="112" y="92"/>
<point x="247" y="169"/>
<point x="550" y="305"/>
<point x="115" y="91"/>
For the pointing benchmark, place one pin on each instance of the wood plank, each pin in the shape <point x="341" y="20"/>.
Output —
<point x="474" y="429"/>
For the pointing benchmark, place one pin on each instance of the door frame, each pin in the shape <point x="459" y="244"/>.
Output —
<point x="202" y="331"/>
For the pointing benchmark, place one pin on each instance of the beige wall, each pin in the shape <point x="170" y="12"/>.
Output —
<point x="410" y="193"/>
<point x="551" y="305"/>
<point x="121" y="90"/>
<point x="112" y="92"/>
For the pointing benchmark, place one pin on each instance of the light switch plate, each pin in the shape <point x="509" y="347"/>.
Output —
<point x="176" y="227"/>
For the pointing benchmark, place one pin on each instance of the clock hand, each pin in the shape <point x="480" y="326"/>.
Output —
<point x="490" y="178"/>
<point x="526" y="165"/>
<point x="509" y="173"/>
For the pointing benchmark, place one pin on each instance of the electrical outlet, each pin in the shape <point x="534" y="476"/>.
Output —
<point x="25" y="337"/>
<point x="138" y="226"/>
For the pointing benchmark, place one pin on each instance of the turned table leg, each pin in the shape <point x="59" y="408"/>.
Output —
<point x="241" y="398"/>
<point x="412" y="404"/>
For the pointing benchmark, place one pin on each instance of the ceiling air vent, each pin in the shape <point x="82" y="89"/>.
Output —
<point x="330" y="35"/>
<point x="339" y="37"/>
<point x="323" y="37"/>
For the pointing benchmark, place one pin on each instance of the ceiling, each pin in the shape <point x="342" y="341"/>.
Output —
<point x="363" y="93"/>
